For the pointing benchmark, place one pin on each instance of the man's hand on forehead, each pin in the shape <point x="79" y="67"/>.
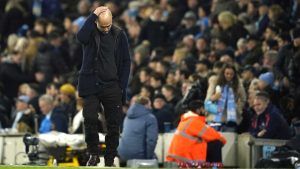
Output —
<point x="100" y="10"/>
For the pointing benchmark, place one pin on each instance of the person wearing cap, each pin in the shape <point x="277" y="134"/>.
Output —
<point x="103" y="79"/>
<point x="188" y="26"/>
<point x="268" y="121"/>
<point x="190" y="141"/>
<point x="140" y="131"/>
<point x="23" y="120"/>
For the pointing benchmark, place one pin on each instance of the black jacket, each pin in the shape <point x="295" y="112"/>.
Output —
<point x="88" y="83"/>
<point x="11" y="77"/>
<point x="273" y="122"/>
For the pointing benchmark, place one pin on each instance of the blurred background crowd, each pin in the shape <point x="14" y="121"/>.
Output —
<point x="181" y="50"/>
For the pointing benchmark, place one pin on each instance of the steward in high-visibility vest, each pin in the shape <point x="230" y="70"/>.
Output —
<point x="189" y="143"/>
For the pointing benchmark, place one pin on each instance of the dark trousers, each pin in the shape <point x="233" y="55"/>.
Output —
<point x="214" y="151"/>
<point x="111" y="100"/>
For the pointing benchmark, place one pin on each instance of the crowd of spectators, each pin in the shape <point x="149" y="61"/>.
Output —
<point x="177" y="47"/>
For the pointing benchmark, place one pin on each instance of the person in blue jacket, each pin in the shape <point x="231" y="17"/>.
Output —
<point x="140" y="132"/>
<point x="103" y="79"/>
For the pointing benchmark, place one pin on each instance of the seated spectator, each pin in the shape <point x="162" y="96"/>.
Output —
<point x="53" y="119"/>
<point x="192" y="136"/>
<point x="23" y="120"/>
<point x="268" y="121"/>
<point x="140" y="132"/>
<point x="163" y="113"/>
<point x="68" y="102"/>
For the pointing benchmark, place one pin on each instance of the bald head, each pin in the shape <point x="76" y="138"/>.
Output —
<point x="105" y="21"/>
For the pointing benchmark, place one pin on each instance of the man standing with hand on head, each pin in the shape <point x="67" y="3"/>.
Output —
<point x="103" y="80"/>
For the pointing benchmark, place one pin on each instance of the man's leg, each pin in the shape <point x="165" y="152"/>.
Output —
<point x="90" y="115"/>
<point x="112" y="103"/>
<point x="214" y="151"/>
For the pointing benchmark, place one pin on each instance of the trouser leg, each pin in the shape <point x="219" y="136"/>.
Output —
<point x="214" y="151"/>
<point x="90" y="115"/>
<point x="112" y="103"/>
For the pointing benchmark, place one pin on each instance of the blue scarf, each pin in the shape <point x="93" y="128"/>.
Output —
<point x="226" y="98"/>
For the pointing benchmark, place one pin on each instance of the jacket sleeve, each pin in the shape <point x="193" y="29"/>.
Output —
<point x="126" y="63"/>
<point x="210" y="134"/>
<point x="59" y="123"/>
<point x="274" y="124"/>
<point x="205" y="132"/>
<point x="84" y="34"/>
<point x="151" y="136"/>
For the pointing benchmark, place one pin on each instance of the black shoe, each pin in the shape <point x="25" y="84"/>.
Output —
<point x="93" y="160"/>
<point x="109" y="163"/>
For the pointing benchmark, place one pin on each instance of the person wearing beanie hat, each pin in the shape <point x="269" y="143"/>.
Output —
<point x="67" y="89"/>
<point x="191" y="124"/>
<point x="68" y="102"/>
<point x="265" y="79"/>
<point x="266" y="83"/>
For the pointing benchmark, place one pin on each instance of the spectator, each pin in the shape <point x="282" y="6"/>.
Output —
<point x="231" y="28"/>
<point x="230" y="98"/>
<point x="68" y="102"/>
<point x="170" y="94"/>
<point x="140" y="132"/>
<point x="155" y="30"/>
<point x="11" y="75"/>
<point x="52" y="89"/>
<point x="23" y="120"/>
<point x="51" y="60"/>
<point x="53" y="119"/>
<point x="241" y="51"/>
<point x="163" y="113"/>
<point x="156" y="82"/>
<point x="254" y="51"/>
<point x="263" y="19"/>
<point x="248" y="75"/>
<point x="270" y="58"/>
<point x="33" y="92"/>
<point x="268" y="121"/>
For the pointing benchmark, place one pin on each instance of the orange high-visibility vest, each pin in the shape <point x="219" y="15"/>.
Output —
<point x="189" y="142"/>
